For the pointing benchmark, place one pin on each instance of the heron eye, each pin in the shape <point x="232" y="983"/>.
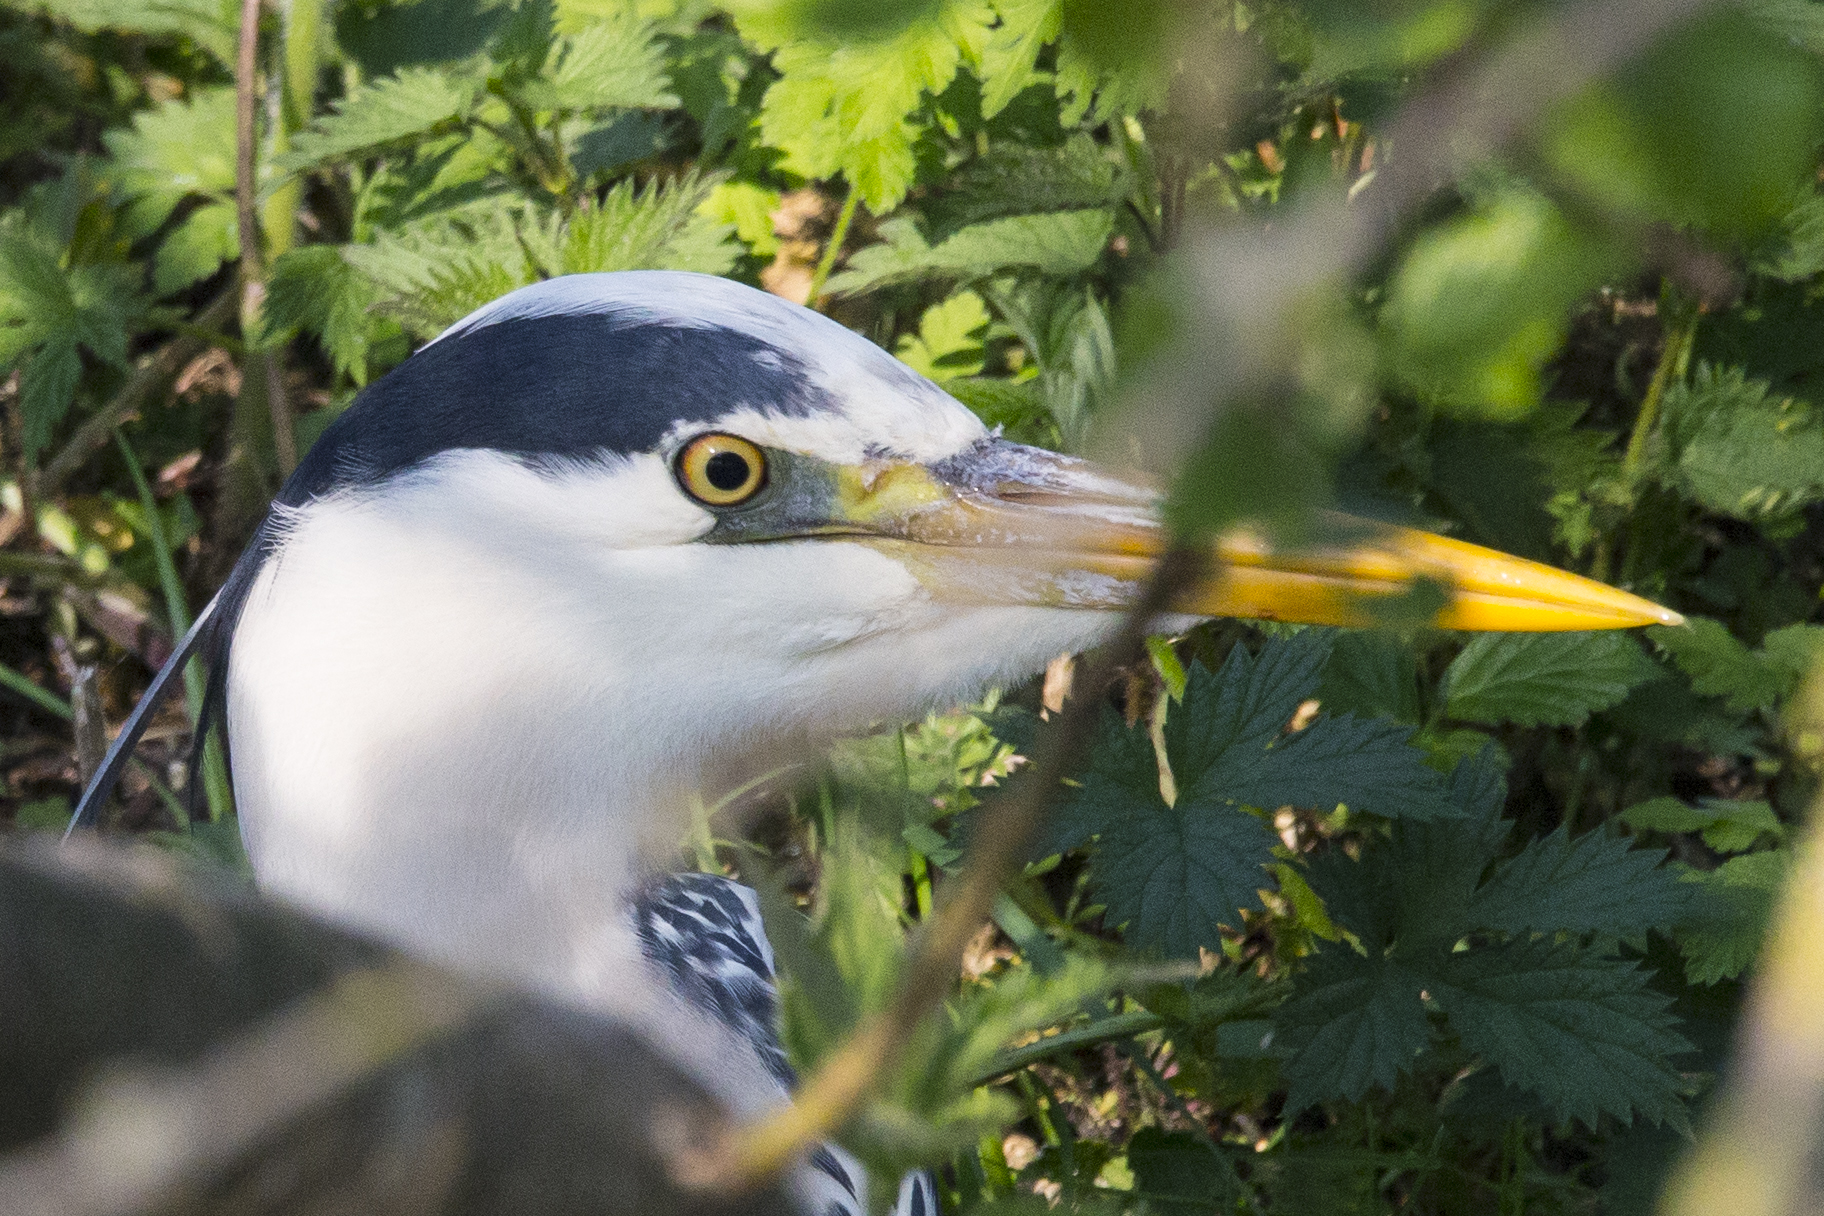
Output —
<point x="721" y="470"/>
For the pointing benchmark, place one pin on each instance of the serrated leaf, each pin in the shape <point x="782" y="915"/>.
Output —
<point x="314" y="288"/>
<point x="750" y="209"/>
<point x="196" y="248"/>
<point x="1739" y="450"/>
<point x="1593" y="883"/>
<point x="842" y="107"/>
<point x="179" y="149"/>
<point x="1719" y="665"/>
<point x="1056" y="243"/>
<point x="661" y="227"/>
<point x="1532" y="679"/>
<point x="1352" y="1023"/>
<point x="413" y="103"/>
<point x="1737" y="907"/>
<point x="1582" y="1032"/>
<point x="948" y="344"/>
<point x="47" y="387"/>
<point x="615" y="61"/>
<point x="1174" y="874"/>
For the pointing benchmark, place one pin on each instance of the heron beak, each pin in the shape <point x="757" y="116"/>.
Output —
<point x="1007" y="524"/>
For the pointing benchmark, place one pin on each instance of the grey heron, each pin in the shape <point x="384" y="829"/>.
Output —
<point x="617" y="538"/>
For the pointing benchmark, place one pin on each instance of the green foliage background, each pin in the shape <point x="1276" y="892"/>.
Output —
<point x="1327" y="921"/>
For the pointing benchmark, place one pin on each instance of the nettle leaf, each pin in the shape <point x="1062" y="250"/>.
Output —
<point x="948" y="344"/>
<point x="49" y="314"/>
<point x="314" y="288"/>
<point x="211" y="24"/>
<point x="1737" y="907"/>
<point x="843" y="107"/>
<point x="1172" y="874"/>
<point x="1720" y="665"/>
<point x="1058" y="243"/>
<point x="661" y="227"/>
<point x="1175" y="873"/>
<point x="1354" y="1023"/>
<point x="1594" y="883"/>
<point x="1582" y="1032"/>
<point x="172" y="152"/>
<point x="1738" y="450"/>
<point x="430" y="273"/>
<point x="616" y="61"/>
<point x="1532" y="679"/>
<point x="1371" y="673"/>
<point x="413" y="103"/>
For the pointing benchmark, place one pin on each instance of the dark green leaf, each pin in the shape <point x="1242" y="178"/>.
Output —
<point x="1554" y="679"/>
<point x="1584" y="1033"/>
<point x="1719" y="665"/>
<point x="1182" y="1172"/>
<point x="1352" y="1023"/>
<point x="1594" y="883"/>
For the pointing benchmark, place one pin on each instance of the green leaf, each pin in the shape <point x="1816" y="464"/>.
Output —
<point x="750" y="209"/>
<point x="1174" y="874"/>
<point x="1018" y="179"/>
<point x="1594" y="883"/>
<point x="615" y="61"/>
<point x="661" y="227"/>
<point x="1582" y="1032"/>
<point x="1739" y="898"/>
<point x="211" y="24"/>
<point x="314" y="288"/>
<point x="196" y="248"/>
<point x="1719" y="665"/>
<point x="47" y="387"/>
<point x="1713" y="126"/>
<point x="173" y="152"/>
<point x="1727" y="827"/>
<point x="1054" y="243"/>
<point x="948" y="344"/>
<point x="1371" y="673"/>
<point x="844" y="107"/>
<point x="1738" y="450"/>
<point x="414" y="103"/>
<point x="1352" y="1023"/>
<point x="1532" y="679"/>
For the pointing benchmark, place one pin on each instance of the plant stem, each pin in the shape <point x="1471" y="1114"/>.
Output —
<point x="1674" y="358"/>
<point x="833" y="249"/>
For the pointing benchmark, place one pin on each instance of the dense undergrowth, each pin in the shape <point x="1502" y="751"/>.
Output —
<point x="1329" y="921"/>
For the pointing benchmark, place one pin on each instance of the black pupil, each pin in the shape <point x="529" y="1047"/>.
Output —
<point x="727" y="471"/>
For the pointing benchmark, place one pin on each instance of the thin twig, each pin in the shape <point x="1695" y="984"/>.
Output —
<point x="253" y="272"/>
<point x="757" y="1151"/>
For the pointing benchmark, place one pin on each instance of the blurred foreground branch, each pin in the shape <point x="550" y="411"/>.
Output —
<point x="1245" y="284"/>
<point x="167" y="1047"/>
